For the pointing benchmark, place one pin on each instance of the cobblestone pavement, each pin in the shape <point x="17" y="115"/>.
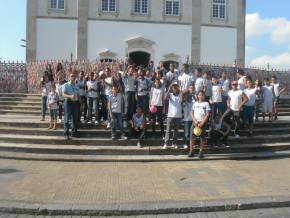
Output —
<point x="117" y="183"/>
<point x="260" y="213"/>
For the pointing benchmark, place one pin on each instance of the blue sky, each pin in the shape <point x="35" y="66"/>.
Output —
<point x="268" y="32"/>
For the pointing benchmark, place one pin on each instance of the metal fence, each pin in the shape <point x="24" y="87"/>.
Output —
<point x="25" y="78"/>
<point x="13" y="77"/>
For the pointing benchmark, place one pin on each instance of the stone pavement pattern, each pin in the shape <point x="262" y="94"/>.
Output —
<point x="259" y="213"/>
<point x="119" y="183"/>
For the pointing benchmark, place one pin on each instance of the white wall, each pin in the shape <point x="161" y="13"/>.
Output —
<point x="168" y="38"/>
<point x="56" y="38"/>
<point x="218" y="45"/>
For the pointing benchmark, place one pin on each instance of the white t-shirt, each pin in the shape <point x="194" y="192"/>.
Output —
<point x="216" y="94"/>
<point x="130" y="83"/>
<point x="171" y="77"/>
<point x="157" y="96"/>
<point x="52" y="100"/>
<point x="236" y="98"/>
<point x="200" y="109"/>
<point x="58" y="89"/>
<point x="225" y="86"/>
<point x="199" y="84"/>
<point x="268" y="93"/>
<point x="251" y="94"/>
<point x="276" y="87"/>
<point x="45" y="89"/>
<point x="116" y="103"/>
<point x="108" y="88"/>
<point x="137" y="121"/>
<point x="241" y="84"/>
<point x="93" y="85"/>
<point x="185" y="80"/>
<point x="174" y="106"/>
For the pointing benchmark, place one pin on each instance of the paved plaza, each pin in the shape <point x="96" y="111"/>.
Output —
<point x="138" y="183"/>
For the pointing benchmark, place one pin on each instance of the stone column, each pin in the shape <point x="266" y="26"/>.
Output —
<point x="31" y="30"/>
<point x="241" y="33"/>
<point x="82" y="38"/>
<point x="196" y="31"/>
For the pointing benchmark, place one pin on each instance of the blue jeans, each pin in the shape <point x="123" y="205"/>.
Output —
<point x="93" y="102"/>
<point x="117" y="121"/>
<point x="143" y="101"/>
<point x="130" y="104"/>
<point x="71" y="111"/>
<point x="186" y="135"/>
<point x="216" y="107"/>
<point x="224" y="105"/>
<point x="104" y="108"/>
<point x="43" y="106"/>
<point x="249" y="112"/>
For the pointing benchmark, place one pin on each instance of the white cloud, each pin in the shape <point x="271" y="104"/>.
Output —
<point x="278" y="28"/>
<point x="280" y="61"/>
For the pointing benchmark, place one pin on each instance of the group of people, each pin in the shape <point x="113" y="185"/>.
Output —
<point x="209" y="107"/>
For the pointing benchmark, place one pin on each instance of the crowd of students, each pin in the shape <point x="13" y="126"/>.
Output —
<point x="139" y="98"/>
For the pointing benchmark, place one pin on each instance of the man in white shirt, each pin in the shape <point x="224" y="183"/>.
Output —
<point x="278" y="90"/>
<point x="236" y="100"/>
<point x="186" y="79"/>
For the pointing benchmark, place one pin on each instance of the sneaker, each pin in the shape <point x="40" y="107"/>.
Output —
<point x="175" y="146"/>
<point x="96" y="122"/>
<point x="139" y="145"/>
<point x="237" y="136"/>
<point x="185" y="146"/>
<point x="123" y="137"/>
<point x="43" y="119"/>
<point x="108" y="125"/>
<point x="89" y="122"/>
<point x="200" y="154"/>
<point x="164" y="146"/>
<point x="191" y="154"/>
<point x="113" y="137"/>
<point x="67" y="137"/>
<point x="59" y="120"/>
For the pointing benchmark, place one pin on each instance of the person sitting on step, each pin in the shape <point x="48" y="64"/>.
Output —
<point x="138" y="126"/>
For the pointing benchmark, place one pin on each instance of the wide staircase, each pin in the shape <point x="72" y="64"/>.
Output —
<point x="23" y="136"/>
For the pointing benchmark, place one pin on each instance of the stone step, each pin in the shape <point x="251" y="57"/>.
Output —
<point x="141" y="158"/>
<point x="104" y="141"/>
<point x="20" y="103"/>
<point x="21" y="107"/>
<point x="133" y="150"/>
<point x="102" y="132"/>
<point x="18" y="99"/>
<point x="19" y="95"/>
<point x="29" y="121"/>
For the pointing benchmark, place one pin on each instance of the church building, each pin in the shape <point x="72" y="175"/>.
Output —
<point x="197" y="31"/>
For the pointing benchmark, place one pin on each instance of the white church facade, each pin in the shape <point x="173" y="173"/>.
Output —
<point x="198" y="31"/>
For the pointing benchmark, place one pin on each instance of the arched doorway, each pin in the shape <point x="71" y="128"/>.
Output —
<point x="140" y="58"/>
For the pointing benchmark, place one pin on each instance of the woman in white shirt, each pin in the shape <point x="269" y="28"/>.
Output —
<point x="156" y="100"/>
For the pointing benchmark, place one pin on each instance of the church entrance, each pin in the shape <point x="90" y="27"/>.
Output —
<point x="140" y="58"/>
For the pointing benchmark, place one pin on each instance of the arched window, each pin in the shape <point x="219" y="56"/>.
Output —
<point x="219" y="9"/>
<point x="172" y="7"/>
<point x="141" y="6"/>
<point x="57" y="4"/>
<point x="109" y="5"/>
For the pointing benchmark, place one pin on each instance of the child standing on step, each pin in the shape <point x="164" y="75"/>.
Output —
<point x="200" y="114"/>
<point x="174" y="116"/>
<point x="52" y="100"/>
<point x="115" y="110"/>
<point x="268" y="91"/>
<point x="45" y="84"/>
